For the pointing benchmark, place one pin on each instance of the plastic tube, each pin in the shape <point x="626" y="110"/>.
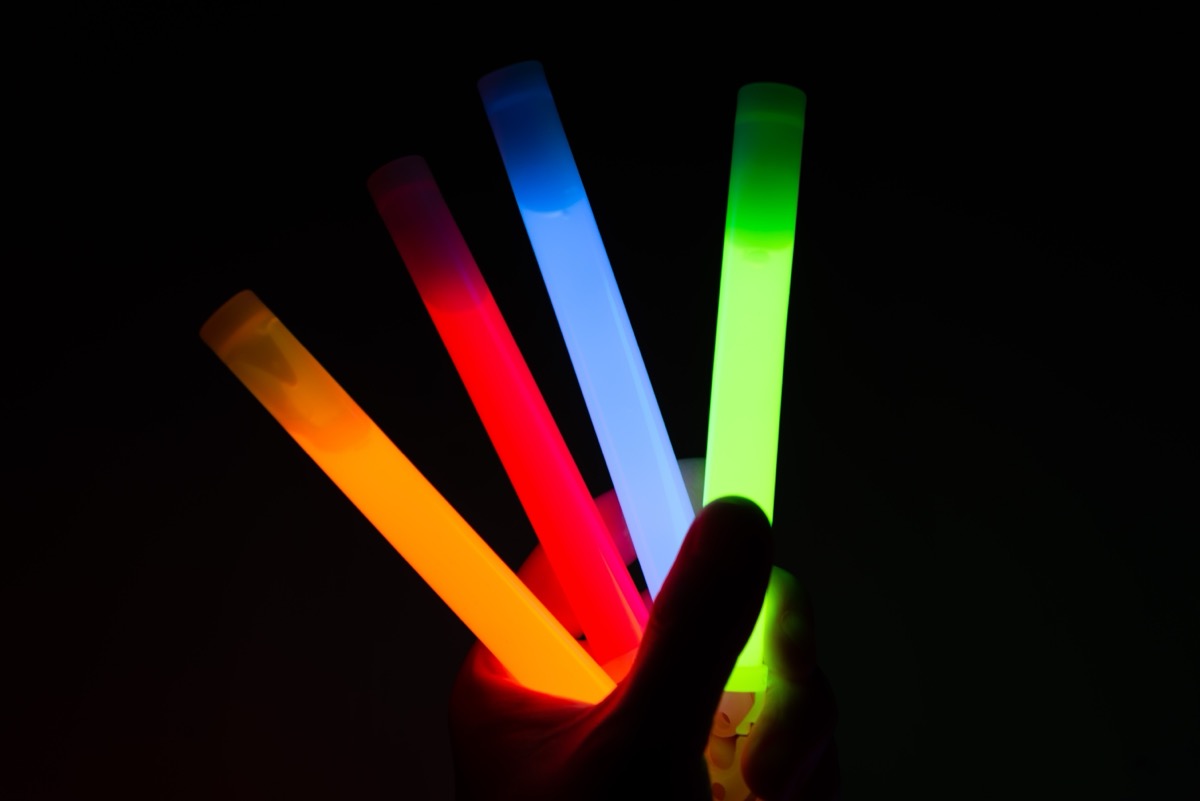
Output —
<point x="595" y="325"/>
<point x="756" y="268"/>
<point x="385" y="486"/>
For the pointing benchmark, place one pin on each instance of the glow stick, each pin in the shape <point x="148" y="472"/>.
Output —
<point x="419" y="523"/>
<point x="556" y="499"/>
<point x="590" y="313"/>
<point x="756" y="267"/>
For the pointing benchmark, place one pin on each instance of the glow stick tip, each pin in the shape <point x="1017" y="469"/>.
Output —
<point x="772" y="99"/>
<point x="532" y="142"/>
<point x="224" y="325"/>
<point x="510" y="82"/>
<point x="398" y="174"/>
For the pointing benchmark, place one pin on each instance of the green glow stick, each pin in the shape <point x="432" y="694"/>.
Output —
<point x="756" y="267"/>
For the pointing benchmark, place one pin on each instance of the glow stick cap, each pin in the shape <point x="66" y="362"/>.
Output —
<point x="772" y="101"/>
<point x="408" y="197"/>
<point x="398" y="174"/>
<point x="525" y="122"/>
<point x="247" y="336"/>
<point x="766" y="164"/>
<point x="242" y="311"/>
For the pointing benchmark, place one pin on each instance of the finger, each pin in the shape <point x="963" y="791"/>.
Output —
<point x="496" y="724"/>
<point x="786" y="749"/>
<point x="486" y="700"/>
<point x="699" y="623"/>
<point x="787" y="746"/>
<point x="790" y="650"/>
<point x="825" y="784"/>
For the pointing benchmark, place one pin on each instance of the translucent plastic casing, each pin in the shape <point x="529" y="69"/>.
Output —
<point x="594" y="323"/>
<point x="385" y="486"/>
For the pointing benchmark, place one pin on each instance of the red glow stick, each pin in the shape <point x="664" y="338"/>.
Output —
<point x="548" y="483"/>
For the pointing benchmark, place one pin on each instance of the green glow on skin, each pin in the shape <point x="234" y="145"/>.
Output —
<point x="756" y="268"/>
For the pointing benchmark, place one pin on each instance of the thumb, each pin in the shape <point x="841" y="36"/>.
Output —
<point x="699" y="624"/>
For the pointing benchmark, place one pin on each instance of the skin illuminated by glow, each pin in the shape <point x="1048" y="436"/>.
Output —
<point x="756" y="267"/>
<point x="591" y="314"/>
<point x="561" y="509"/>
<point x="385" y="486"/>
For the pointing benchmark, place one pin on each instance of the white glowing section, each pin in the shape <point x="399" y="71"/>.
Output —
<point x="587" y="303"/>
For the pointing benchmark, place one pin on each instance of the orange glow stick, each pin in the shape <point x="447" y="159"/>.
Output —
<point x="385" y="486"/>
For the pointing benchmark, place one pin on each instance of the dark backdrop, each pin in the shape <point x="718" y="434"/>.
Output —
<point x="981" y="458"/>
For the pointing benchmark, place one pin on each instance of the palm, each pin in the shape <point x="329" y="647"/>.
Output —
<point x="648" y="739"/>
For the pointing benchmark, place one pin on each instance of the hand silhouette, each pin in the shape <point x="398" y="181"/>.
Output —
<point x="650" y="737"/>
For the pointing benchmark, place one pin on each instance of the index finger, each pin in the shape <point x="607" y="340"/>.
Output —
<point x="788" y="744"/>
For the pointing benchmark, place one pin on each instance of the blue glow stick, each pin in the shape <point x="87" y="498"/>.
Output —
<point x="590" y="313"/>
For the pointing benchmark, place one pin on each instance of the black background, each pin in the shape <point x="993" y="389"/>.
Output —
<point x="982" y="450"/>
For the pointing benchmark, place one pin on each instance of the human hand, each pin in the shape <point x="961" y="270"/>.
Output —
<point x="649" y="737"/>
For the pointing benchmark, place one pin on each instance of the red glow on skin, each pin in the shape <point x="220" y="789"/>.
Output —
<point x="561" y="510"/>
